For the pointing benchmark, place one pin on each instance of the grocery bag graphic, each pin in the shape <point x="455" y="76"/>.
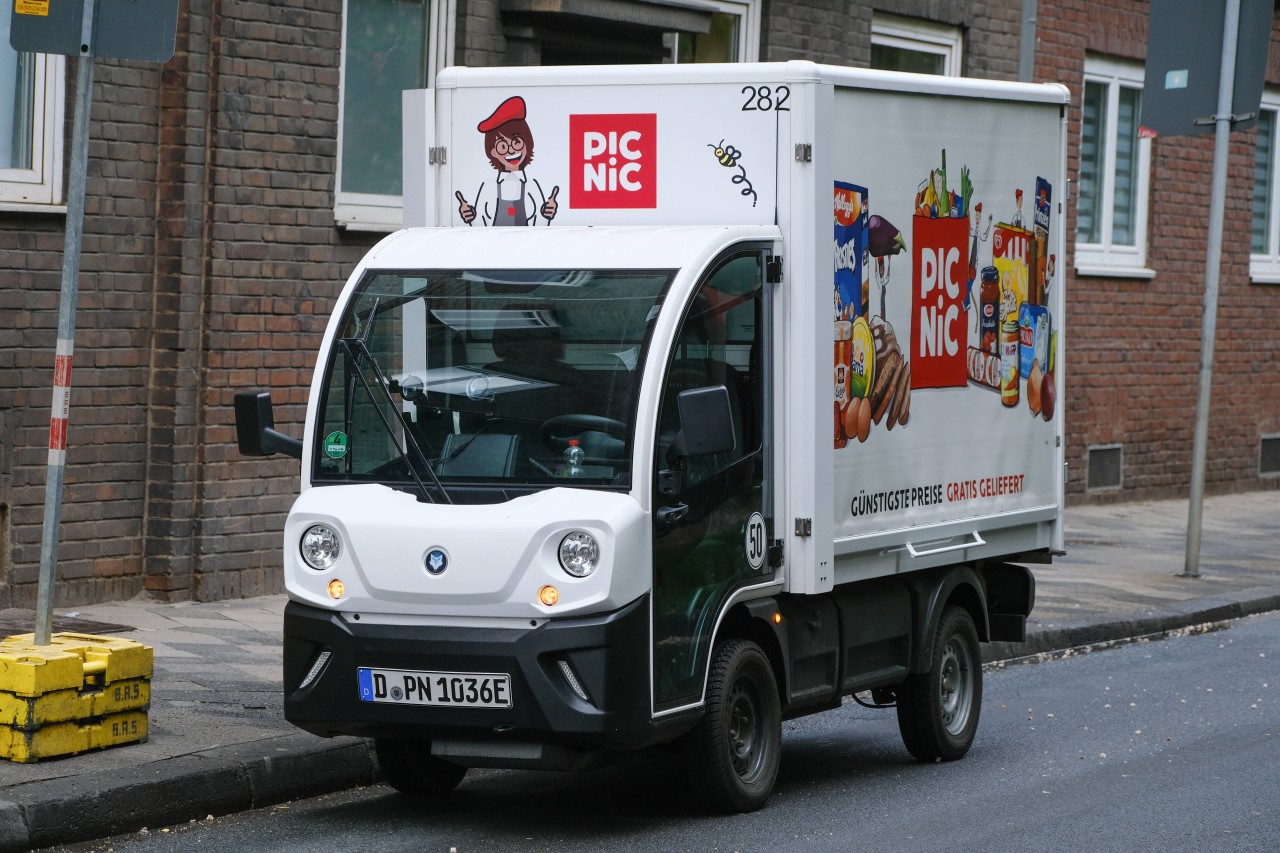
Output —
<point x="939" y="337"/>
<point x="1011" y="255"/>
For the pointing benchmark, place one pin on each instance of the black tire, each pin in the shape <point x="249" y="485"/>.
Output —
<point x="734" y="752"/>
<point x="938" y="710"/>
<point x="410" y="768"/>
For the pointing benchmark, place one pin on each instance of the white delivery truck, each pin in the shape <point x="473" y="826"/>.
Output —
<point x="697" y="398"/>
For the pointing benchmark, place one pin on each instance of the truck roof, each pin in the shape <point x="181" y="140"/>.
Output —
<point x="561" y="247"/>
<point x="793" y="71"/>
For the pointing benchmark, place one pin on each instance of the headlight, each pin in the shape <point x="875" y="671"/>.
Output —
<point x="320" y="547"/>
<point x="579" y="554"/>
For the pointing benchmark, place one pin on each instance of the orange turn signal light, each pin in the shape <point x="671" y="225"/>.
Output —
<point x="337" y="589"/>
<point x="549" y="595"/>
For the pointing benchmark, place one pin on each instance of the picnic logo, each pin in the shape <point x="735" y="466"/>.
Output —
<point x="613" y="161"/>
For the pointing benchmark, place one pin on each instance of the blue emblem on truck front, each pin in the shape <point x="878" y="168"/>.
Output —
<point x="436" y="561"/>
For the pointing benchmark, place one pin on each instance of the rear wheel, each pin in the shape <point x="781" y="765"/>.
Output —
<point x="410" y="768"/>
<point x="938" y="710"/>
<point x="735" y="750"/>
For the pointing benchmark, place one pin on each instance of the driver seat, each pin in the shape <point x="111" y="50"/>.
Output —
<point x="533" y="352"/>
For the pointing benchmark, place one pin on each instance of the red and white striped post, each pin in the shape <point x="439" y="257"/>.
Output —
<point x="61" y="402"/>
<point x="58" y="418"/>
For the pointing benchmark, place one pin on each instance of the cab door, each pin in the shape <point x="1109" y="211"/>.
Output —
<point x="711" y="526"/>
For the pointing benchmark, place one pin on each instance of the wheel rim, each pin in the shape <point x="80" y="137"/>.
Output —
<point x="955" y="690"/>
<point x="746" y="729"/>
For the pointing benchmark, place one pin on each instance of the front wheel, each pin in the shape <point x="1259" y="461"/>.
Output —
<point x="735" y="750"/>
<point x="410" y="768"/>
<point x="938" y="710"/>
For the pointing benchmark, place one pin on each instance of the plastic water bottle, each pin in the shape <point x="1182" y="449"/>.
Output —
<point x="573" y="456"/>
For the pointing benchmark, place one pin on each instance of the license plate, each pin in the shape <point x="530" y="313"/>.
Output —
<point x="440" y="689"/>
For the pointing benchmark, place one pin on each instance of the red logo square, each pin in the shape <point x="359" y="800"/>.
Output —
<point x="613" y="161"/>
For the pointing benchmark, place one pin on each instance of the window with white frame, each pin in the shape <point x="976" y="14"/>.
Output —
<point x="1115" y="169"/>
<point x="1264" y="249"/>
<point x="734" y="35"/>
<point x="387" y="46"/>
<point x="922" y="47"/>
<point x="32" y="92"/>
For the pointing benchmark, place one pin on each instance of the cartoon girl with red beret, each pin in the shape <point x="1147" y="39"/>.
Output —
<point x="508" y="142"/>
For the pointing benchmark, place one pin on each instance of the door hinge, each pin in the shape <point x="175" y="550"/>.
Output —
<point x="804" y="526"/>
<point x="804" y="152"/>
<point x="437" y="155"/>
<point x="773" y="269"/>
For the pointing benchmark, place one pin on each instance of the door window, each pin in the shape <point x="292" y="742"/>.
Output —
<point x="700" y="541"/>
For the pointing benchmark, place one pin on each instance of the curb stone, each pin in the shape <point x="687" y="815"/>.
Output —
<point x="1197" y="613"/>
<point x="218" y="781"/>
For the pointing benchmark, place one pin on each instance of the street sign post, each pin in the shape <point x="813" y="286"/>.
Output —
<point x="1185" y="66"/>
<point x="145" y="30"/>
<point x="120" y="29"/>
<point x="1206" y="60"/>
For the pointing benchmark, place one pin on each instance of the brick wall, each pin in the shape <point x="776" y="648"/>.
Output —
<point x="273" y="263"/>
<point x="840" y="32"/>
<point x="101" y="556"/>
<point x="478" y="36"/>
<point x="210" y="263"/>
<point x="1135" y="344"/>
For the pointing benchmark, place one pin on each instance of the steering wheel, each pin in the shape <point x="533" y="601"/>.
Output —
<point x="603" y="439"/>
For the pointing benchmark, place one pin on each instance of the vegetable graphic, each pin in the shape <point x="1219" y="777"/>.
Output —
<point x="883" y="241"/>
<point x="883" y="238"/>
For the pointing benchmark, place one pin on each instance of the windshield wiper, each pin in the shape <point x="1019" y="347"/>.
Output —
<point x="362" y="337"/>
<point x="357" y="350"/>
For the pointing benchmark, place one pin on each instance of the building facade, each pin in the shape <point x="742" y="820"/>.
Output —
<point x="233" y="189"/>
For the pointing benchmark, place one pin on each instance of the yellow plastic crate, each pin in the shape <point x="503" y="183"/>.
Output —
<point x="80" y="692"/>
<point x="60" y="706"/>
<point x="72" y="738"/>
<point x="70" y="661"/>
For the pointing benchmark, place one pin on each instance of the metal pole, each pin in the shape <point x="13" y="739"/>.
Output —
<point x="1027" y="43"/>
<point x="1212" y="268"/>
<point x="66" y="332"/>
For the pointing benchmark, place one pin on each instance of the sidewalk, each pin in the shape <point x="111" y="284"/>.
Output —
<point x="219" y="743"/>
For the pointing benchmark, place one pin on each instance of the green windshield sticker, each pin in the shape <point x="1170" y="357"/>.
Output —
<point x="335" y="445"/>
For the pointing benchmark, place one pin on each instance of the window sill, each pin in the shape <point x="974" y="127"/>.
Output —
<point x="367" y="225"/>
<point x="1267" y="272"/>
<point x="380" y="214"/>
<point x="25" y="207"/>
<point x="1105" y="271"/>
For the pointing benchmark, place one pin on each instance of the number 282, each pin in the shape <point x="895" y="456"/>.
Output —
<point x="766" y="98"/>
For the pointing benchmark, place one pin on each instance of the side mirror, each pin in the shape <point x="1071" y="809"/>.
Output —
<point x="706" y="421"/>
<point x="255" y="427"/>
<point x="706" y="428"/>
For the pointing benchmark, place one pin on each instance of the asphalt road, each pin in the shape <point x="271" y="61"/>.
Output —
<point x="1168" y="745"/>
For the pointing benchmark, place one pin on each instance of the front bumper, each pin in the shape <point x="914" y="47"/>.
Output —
<point x="608" y="654"/>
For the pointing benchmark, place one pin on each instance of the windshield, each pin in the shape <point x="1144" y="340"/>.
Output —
<point x="459" y="384"/>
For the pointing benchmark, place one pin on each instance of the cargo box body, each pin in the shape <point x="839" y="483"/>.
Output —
<point x="881" y="280"/>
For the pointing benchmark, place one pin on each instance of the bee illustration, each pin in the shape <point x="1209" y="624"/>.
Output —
<point x="726" y="154"/>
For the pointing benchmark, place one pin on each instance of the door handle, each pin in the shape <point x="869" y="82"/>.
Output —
<point x="672" y="514"/>
<point x="929" y="552"/>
